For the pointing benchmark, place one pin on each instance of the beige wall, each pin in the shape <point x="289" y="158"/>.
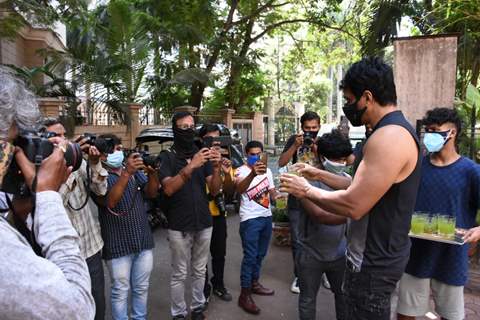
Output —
<point x="425" y="72"/>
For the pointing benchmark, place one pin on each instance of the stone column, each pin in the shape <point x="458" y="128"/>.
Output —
<point x="50" y="107"/>
<point x="134" y="110"/>
<point x="339" y="93"/>
<point x="257" y="126"/>
<point x="269" y="110"/>
<point x="227" y="117"/>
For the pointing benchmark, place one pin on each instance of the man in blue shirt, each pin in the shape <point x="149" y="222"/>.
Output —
<point x="450" y="185"/>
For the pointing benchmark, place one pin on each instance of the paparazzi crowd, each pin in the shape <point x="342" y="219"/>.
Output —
<point x="69" y="205"/>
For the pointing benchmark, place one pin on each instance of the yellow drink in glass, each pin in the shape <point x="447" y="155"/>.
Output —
<point x="418" y="223"/>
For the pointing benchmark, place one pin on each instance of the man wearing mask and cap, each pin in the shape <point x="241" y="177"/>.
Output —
<point x="296" y="144"/>
<point x="450" y="185"/>
<point x="55" y="285"/>
<point x="128" y="240"/>
<point x="184" y="172"/>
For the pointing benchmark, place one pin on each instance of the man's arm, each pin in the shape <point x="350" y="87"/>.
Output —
<point x="242" y="185"/>
<point x="287" y="154"/>
<point x="99" y="176"/>
<point x="384" y="164"/>
<point x="321" y="215"/>
<point x="332" y="180"/>
<point x="152" y="186"/>
<point x="115" y="194"/>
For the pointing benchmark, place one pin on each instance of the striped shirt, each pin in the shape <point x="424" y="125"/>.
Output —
<point x="85" y="220"/>
<point x="125" y="228"/>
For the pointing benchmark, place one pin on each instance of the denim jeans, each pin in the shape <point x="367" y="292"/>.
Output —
<point x="310" y="272"/>
<point x="132" y="270"/>
<point x="368" y="294"/>
<point x="255" y="234"/>
<point x="188" y="248"/>
<point x="95" y="268"/>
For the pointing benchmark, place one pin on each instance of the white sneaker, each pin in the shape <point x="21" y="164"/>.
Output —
<point x="325" y="282"/>
<point x="294" y="288"/>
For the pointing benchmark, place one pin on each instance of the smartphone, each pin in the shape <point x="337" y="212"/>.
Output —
<point x="221" y="141"/>
<point x="264" y="158"/>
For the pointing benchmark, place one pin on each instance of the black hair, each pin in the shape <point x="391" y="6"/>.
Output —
<point x="308" y="116"/>
<point x="441" y="116"/>
<point x="50" y="121"/>
<point x="253" y="144"/>
<point x="180" y="115"/>
<point x="116" y="140"/>
<point x="334" y="145"/>
<point x="374" y="75"/>
<point x="207" y="128"/>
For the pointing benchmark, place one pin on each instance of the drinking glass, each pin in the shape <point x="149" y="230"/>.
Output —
<point x="419" y="220"/>
<point x="446" y="226"/>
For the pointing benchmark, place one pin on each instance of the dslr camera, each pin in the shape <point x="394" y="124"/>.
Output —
<point x="36" y="147"/>
<point x="308" y="139"/>
<point x="104" y="145"/>
<point x="147" y="158"/>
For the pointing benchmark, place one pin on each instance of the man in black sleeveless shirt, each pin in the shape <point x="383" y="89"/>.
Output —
<point x="379" y="203"/>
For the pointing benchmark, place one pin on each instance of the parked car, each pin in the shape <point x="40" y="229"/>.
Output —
<point x="154" y="140"/>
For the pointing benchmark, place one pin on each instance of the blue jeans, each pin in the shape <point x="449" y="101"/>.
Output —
<point x="255" y="234"/>
<point x="132" y="270"/>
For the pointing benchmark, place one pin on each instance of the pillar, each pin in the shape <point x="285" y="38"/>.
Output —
<point x="227" y="117"/>
<point x="134" y="110"/>
<point x="269" y="110"/>
<point x="257" y="126"/>
<point x="50" y="107"/>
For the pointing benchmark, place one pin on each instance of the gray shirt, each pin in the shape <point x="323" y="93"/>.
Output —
<point x="54" y="287"/>
<point x="322" y="242"/>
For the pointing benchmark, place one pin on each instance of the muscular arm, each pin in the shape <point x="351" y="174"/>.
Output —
<point x="384" y="164"/>
<point x="172" y="184"/>
<point x="321" y="215"/>
<point x="334" y="181"/>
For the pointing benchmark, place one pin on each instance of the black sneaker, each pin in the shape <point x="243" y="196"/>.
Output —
<point x="223" y="294"/>
<point x="179" y="317"/>
<point x="197" y="315"/>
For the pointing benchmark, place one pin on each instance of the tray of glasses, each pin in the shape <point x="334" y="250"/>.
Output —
<point x="455" y="239"/>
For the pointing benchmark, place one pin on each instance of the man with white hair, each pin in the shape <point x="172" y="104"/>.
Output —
<point x="55" y="285"/>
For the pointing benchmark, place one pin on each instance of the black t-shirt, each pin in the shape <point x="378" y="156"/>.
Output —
<point x="187" y="209"/>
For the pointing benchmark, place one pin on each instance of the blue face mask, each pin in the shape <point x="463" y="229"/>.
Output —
<point x="434" y="141"/>
<point x="252" y="159"/>
<point x="115" y="160"/>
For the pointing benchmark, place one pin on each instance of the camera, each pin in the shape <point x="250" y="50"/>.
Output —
<point x="219" y="200"/>
<point x="36" y="148"/>
<point x="148" y="159"/>
<point x="104" y="145"/>
<point x="308" y="139"/>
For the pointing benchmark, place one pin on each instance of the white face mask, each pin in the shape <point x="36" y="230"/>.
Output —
<point x="334" y="167"/>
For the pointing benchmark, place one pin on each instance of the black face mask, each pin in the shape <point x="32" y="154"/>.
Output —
<point x="353" y="114"/>
<point x="183" y="142"/>
<point x="313" y="134"/>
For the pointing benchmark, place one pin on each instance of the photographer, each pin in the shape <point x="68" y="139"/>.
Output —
<point x="310" y="122"/>
<point x="75" y="194"/>
<point x="32" y="287"/>
<point x="126" y="231"/>
<point x="218" y="244"/>
<point x="184" y="173"/>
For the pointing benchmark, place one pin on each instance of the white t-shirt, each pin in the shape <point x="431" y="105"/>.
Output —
<point x="255" y="202"/>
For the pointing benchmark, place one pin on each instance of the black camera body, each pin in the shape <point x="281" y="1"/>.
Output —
<point x="36" y="148"/>
<point x="104" y="145"/>
<point x="219" y="200"/>
<point x="308" y="139"/>
<point x="149" y="159"/>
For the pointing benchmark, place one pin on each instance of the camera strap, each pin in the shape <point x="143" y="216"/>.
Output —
<point x="87" y="189"/>
<point x="136" y="194"/>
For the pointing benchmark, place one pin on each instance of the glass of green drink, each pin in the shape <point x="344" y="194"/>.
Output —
<point x="446" y="226"/>
<point x="431" y="225"/>
<point x="418" y="223"/>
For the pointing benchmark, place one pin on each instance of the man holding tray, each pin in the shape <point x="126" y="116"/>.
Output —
<point x="450" y="186"/>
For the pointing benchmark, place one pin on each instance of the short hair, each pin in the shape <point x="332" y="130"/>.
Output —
<point x="441" y="116"/>
<point x="308" y="116"/>
<point x="334" y="145"/>
<point x="180" y="115"/>
<point x="17" y="104"/>
<point x="253" y="144"/>
<point x="116" y="140"/>
<point x="207" y="128"/>
<point x="50" y="121"/>
<point x="374" y="75"/>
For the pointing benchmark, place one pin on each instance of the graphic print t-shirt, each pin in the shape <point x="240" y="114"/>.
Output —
<point x="255" y="202"/>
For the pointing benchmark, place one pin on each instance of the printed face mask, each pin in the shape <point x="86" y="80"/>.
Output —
<point x="115" y="160"/>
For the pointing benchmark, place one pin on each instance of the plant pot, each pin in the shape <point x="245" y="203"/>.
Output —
<point x="281" y="234"/>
